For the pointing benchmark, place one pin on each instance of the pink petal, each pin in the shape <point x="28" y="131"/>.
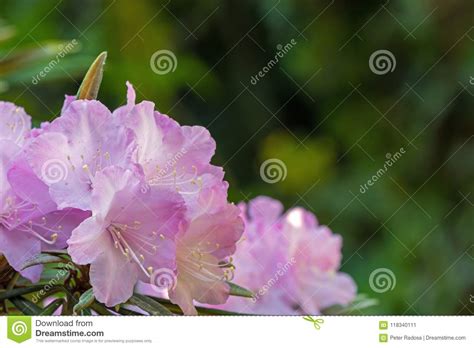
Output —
<point x="182" y="296"/>
<point x="265" y="209"/>
<point x="61" y="223"/>
<point x="14" y="123"/>
<point x="84" y="140"/>
<point x="322" y="290"/>
<point x="113" y="277"/>
<point x="19" y="247"/>
<point x="88" y="241"/>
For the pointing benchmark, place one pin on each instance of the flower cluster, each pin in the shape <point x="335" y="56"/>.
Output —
<point x="130" y="192"/>
<point x="133" y="195"/>
<point x="289" y="261"/>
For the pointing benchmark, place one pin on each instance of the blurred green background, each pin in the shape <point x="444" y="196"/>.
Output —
<point x="320" y="110"/>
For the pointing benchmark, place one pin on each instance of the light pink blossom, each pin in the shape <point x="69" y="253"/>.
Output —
<point x="74" y="147"/>
<point x="203" y="250"/>
<point x="289" y="261"/>
<point x="129" y="235"/>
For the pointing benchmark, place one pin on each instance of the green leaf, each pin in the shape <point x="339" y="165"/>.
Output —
<point x="201" y="310"/>
<point x="149" y="305"/>
<point x="89" y="88"/>
<point x="71" y="301"/>
<point x="85" y="301"/>
<point x="25" y="306"/>
<point x="52" y="307"/>
<point x="20" y="292"/>
<point x="86" y="312"/>
<point x="361" y="302"/>
<point x="100" y="309"/>
<point x="13" y="280"/>
<point x="237" y="290"/>
<point x="41" y="259"/>
<point x="126" y="311"/>
<point x="213" y="311"/>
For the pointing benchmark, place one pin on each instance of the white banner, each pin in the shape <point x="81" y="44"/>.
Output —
<point x="229" y="332"/>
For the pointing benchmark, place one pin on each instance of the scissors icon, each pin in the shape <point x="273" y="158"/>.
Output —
<point x="316" y="321"/>
<point x="471" y="298"/>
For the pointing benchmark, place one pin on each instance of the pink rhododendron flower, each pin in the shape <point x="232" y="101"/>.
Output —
<point x="182" y="164"/>
<point x="173" y="156"/>
<point x="289" y="261"/>
<point x="129" y="235"/>
<point x="29" y="219"/>
<point x="133" y="194"/>
<point x="202" y="251"/>
<point x="74" y="147"/>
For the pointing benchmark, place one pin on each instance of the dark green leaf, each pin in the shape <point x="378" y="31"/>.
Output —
<point x="201" y="310"/>
<point x="25" y="306"/>
<point x="126" y="311"/>
<point x="86" y="299"/>
<point x="237" y="290"/>
<point x="100" y="309"/>
<point x="12" y="282"/>
<point x="52" y="307"/>
<point x="20" y="291"/>
<point x="71" y="301"/>
<point x="86" y="311"/>
<point x="149" y="305"/>
<point x="41" y="259"/>
<point x="213" y="311"/>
